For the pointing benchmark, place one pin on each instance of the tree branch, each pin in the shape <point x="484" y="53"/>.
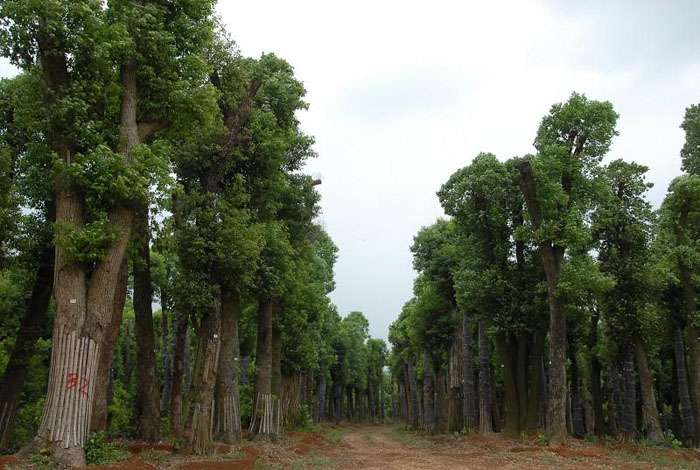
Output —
<point x="148" y="128"/>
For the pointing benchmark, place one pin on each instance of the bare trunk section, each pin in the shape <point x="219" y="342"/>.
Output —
<point x="650" y="414"/>
<point x="441" y="400"/>
<point x="469" y="392"/>
<point x="98" y="420"/>
<point x="577" y="424"/>
<point x="198" y="427"/>
<point x="485" y="410"/>
<point x="266" y="406"/>
<point x="505" y="351"/>
<point x="454" y="412"/>
<point x="227" y="403"/>
<point x="629" y="415"/>
<point x="29" y="332"/>
<point x="321" y="395"/>
<point x="428" y="393"/>
<point x="694" y="373"/>
<point x="147" y="403"/>
<point x="536" y="382"/>
<point x="180" y="326"/>
<point x="596" y="368"/>
<point x="552" y="261"/>
<point x="413" y="393"/>
<point x="689" y="424"/>
<point x="166" y="358"/>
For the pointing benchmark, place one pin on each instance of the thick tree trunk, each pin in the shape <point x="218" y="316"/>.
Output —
<point x="338" y="403"/>
<point x="266" y="406"/>
<point x="596" y="369"/>
<point x="521" y="361"/>
<point x="441" y="400"/>
<point x="187" y="362"/>
<point x="276" y="371"/>
<point x="689" y="424"/>
<point x="676" y="420"/>
<point x="629" y="416"/>
<point x="454" y="411"/>
<point x="30" y="329"/>
<point x="167" y="360"/>
<point x="428" y="393"/>
<point x="650" y="414"/>
<point x="552" y="261"/>
<point x="505" y="351"/>
<point x="612" y="386"/>
<point x="98" y="421"/>
<point x="485" y="411"/>
<point x="694" y="373"/>
<point x="588" y="416"/>
<point x="577" y="424"/>
<point x="180" y="327"/>
<point x="147" y="403"/>
<point x="536" y="389"/>
<point x="197" y="430"/>
<point x="469" y="392"/>
<point x="321" y="396"/>
<point x="227" y="402"/>
<point x="413" y="393"/>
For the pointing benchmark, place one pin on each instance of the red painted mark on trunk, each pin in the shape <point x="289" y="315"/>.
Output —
<point x="73" y="380"/>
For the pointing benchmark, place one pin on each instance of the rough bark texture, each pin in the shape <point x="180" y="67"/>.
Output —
<point x="454" y="411"/>
<point x="689" y="424"/>
<point x="596" y="368"/>
<point x="197" y="430"/>
<point x="505" y="351"/>
<point x="428" y="393"/>
<point x="266" y="405"/>
<point x="227" y="403"/>
<point x="485" y="411"/>
<point x="167" y="359"/>
<point x="469" y="392"/>
<point x="629" y="416"/>
<point x="536" y="382"/>
<point x="441" y="400"/>
<point x="321" y="396"/>
<point x="413" y="393"/>
<point x="98" y="421"/>
<point x="650" y="414"/>
<point x="577" y="424"/>
<point x="180" y="326"/>
<point x="147" y="402"/>
<point x="552" y="260"/>
<point x="30" y="329"/>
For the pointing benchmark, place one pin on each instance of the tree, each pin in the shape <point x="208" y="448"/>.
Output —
<point x="558" y="187"/>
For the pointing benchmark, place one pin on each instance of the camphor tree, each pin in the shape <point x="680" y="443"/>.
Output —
<point x="558" y="187"/>
<point x="104" y="104"/>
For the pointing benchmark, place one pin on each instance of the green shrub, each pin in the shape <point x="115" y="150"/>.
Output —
<point x="41" y="462"/>
<point x="100" y="452"/>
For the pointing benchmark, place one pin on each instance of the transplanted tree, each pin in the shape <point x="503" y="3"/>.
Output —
<point x="558" y="187"/>
<point x="622" y="225"/>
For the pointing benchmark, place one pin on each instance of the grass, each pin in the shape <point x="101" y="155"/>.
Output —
<point x="155" y="456"/>
<point x="408" y="438"/>
<point x="334" y="436"/>
<point x="652" y="457"/>
<point x="312" y="462"/>
<point x="233" y="455"/>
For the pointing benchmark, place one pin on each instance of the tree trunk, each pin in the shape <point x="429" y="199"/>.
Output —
<point x="266" y="407"/>
<point x="338" y="395"/>
<point x="197" y="431"/>
<point x="187" y="361"/>
<point x="596" y="368"/>
<point x="552" y="261"/>
<point x="683" y="392"/>
<point x="676" y="420"/>
<point x="485" y="411"/>
<point x="428" y="393"/>
<point x="577" y="425"/>
<point x="180" y="327"/>
<point x="167" y="359"/>
<point x="505" y="351"/>
<point x="454" y="411"/>
<point x="413" y="393"/>
<point x="469" y="392"/>
<point x="147" y="403"/>
<point x="629" y="416"/>
<point x="612" y="386"/>
<point x="441" y="401"/>
<point x="536" y="389"/>
<point x="30" y="330"/>
<point x="521" y="362"/>
<point x="98" y="420"/>
<point x="650" y="414"/>
<point x="694" y="373"/>
<point x="321" y="396"/>
<point x="276" y="366"/>
<point x="227" y="403"/>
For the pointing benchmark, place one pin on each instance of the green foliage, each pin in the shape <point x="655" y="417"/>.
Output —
<point x="100" y="452"/>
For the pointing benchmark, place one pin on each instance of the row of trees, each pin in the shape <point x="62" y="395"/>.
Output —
<point x="618" y="352"/>
<point x="145" y="160"/>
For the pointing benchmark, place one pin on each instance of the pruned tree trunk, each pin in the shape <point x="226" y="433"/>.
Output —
<point x="147" y="403"/>
<point x="198" y="427"/>
<point x="577" y="425"/>
<point x="167" y="360"/>
<point x="413" y="392"/>
<point x="505" y="351"/>
<point x="187" y="362"/>
<point x="612" y="386"/>
<point x="441" y="400"/>
<point x="266" y="407"/>
<point x="485" y="410"/>
<point x="321" y="396"/>
<point x="650" y="414"/>
<point x="98" y="420"/>
<point x="596" y="369"/>
<point x="30" y="330"/>
<point x="536" y="382"/>
<point x="180" y="327"/>
<point x="629" y="415"/>
<point x="428" y="393"/>
<point x="454" y="411"/>
<point x="227" y="403"/>
<point x="689" y="424"/>
<point x="469" y="392"/>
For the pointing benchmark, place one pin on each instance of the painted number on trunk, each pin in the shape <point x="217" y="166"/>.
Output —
<point x="74" y="379"/>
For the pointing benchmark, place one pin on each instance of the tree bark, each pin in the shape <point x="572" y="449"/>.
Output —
<point x="147" y="403"/>
<point x="454" y="410"/>
<point x="266" y="405"/>
<point x="469" y="392"/>
<point x="629" y="416"/>
<point x="441" y="400"/>
<point x="650" y="414"/>
<point x="577" y="424"/>
<point x="505" y="351"/>
<point x="428" y="393"/>
<point x="596" y="368"/>
<point x="413" y="392"/>
<point x="167" y="359"/>
<point x="30" y="330"/>
<point x="689" y="424"/>
<point x="321" y="395"/>
<point x="180" y="327"/>
<point x="552" y="260"/>
<point x="533" y="405"/>
<point x="485" y="411"/>
<point x="227" y="403"/>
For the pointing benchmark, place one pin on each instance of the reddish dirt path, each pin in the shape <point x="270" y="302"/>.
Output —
<point x="377" y="447"/>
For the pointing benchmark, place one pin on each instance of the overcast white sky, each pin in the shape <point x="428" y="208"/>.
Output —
<point x="404" y="93"/>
